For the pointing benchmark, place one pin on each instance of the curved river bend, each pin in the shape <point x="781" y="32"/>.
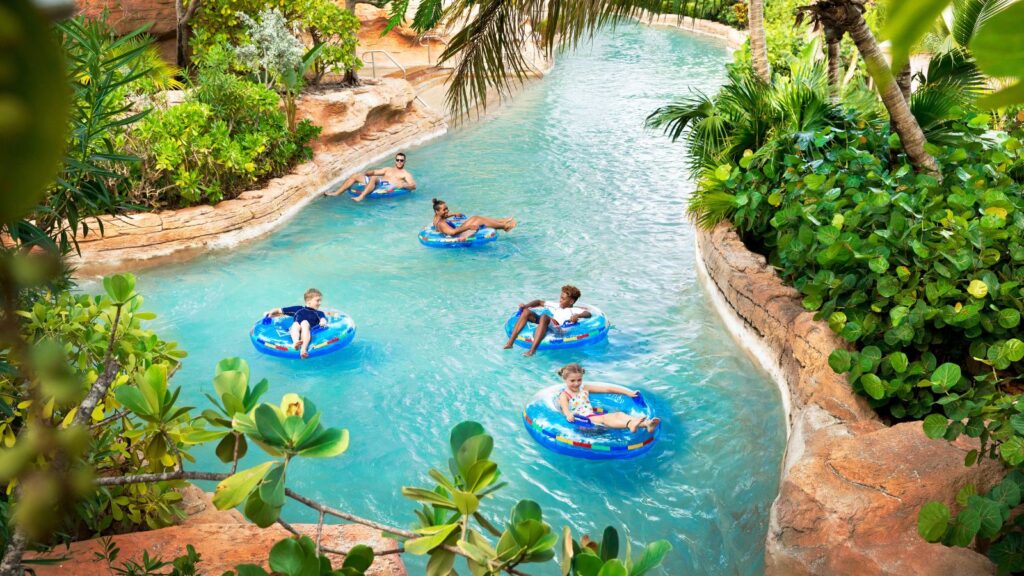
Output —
<point x="601" y="204"/>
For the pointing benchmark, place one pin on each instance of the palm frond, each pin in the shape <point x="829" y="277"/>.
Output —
<point x="958" y="70"/>
<point x="675" y="117"/>
<point x="934" y="107"/>
<point x="490" y="50"/>
<point x="709" y="207"/>
<point x="970" y="15"/>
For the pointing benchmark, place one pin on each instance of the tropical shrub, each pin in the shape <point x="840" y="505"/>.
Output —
<point x="921" y="276"/>
<point x="318" y="21"/>
<point x="227" y="136"/>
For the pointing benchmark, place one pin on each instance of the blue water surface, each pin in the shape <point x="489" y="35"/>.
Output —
<point x="600" y="202"/>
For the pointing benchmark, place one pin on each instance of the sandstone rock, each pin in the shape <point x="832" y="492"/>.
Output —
<point x="369" y="12"/>
<point x="344" y="113"/>
<point x="222" y="547"/>
<point x="851" y="486"/>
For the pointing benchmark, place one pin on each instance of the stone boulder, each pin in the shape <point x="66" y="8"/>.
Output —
<point x="344" y="113"/>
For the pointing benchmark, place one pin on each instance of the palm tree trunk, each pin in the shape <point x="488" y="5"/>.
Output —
<point x="758" y="45"/>
<point x="834" y="63"/>
<point x="903" y="121"/>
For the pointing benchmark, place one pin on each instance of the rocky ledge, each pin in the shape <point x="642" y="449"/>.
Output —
<point x="223" y="539"/>
<point x="851" y="486"/>
<point x="360" y="126"/>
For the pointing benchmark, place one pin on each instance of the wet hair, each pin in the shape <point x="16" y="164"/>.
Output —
<point x="311" y="293"/>
<point x="402" y="154"/>
<point x="571" y="368"/>
<point x="572" y="291"/>
<point x="437" y="203"/>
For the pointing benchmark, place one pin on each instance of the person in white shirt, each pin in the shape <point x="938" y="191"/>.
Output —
<point x="553" y="315"/>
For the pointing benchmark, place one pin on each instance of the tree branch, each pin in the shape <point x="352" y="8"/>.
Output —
<point x="184" y="475"/>
<point x="102" y="384"/>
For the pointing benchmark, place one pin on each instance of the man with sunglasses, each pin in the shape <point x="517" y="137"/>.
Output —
<point x="391" y="177"/>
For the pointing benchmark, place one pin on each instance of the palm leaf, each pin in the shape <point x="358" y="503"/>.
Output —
<point x="970" y="15"/>
<point x="490" y="49"/>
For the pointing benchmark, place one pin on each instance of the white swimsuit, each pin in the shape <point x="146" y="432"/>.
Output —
<point x="561" y="315"/>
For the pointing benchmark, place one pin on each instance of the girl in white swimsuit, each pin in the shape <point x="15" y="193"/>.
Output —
<point x="575" y="401"/>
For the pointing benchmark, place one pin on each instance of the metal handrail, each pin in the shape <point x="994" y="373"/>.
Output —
<point x="373" y="63"/>
<point x="405" y="73"/>
<point x="431" y="37"/>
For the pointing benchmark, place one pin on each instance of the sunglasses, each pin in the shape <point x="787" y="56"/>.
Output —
<point x="399" y="159"/>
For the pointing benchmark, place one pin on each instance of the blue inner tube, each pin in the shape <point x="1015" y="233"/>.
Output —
<point x="378" y="192"/>
<point x="583" y="333"/>
<point x="270" y="336"/>
<point x="429" y="236"/>
<point x="544" y="421"/>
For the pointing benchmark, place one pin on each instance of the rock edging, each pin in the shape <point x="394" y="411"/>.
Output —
<point x="851" y="486"/>
<point x="361" y="126"/>
<point x="734" y="38"/>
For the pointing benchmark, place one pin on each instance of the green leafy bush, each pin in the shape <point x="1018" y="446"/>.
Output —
<point x="320" y="21"/>
<point x="226" y="137"/>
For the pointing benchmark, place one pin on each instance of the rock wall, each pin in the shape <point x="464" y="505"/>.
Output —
<point x="851" y="486"/>
<point x="127" y="15"/>
<point x="361" y="126"/>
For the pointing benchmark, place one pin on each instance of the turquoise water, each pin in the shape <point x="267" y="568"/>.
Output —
<point x="600" y="203"/>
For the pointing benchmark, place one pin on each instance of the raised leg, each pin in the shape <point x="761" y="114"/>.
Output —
<point x="295" y="331"/>
<point x="526" y="316"/>
<point x="357" y="177"/>
<point x="539" y="334"/>
<point x="370" y="185"/>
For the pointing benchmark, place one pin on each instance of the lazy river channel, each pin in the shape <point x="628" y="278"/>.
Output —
<point x="600" y="202"/>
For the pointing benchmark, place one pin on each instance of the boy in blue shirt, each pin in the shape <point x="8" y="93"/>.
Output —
<point x="305" y="318"/>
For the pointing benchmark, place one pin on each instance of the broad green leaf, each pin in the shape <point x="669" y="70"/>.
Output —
<point x="613" y="568"/>
<point x="428" y="497"/>
<point x="935" y="425"/>
<point x="481" y="475"/>
<point x="1012" y="451"/>
<point x="230" y="386"/>
<point x="441" y="563"/>
<point x="828" y="235"/>
<point x="998" y="46"/>
<point x="271" y="490"/>
<point x="526" y="510"/>
<point x="977" y="288"/>
<point x="435" y="536"/>
<point x="268" y="423"/>
<point x="132" y="398"/>
<point x="1009" y="318"/>
<point x="609" y="544"/>
<point x="327" y="444"/>
<point x="260" y="512"/>
<point x="652" y="557"/>
<point x="1014" y="94"/>
<point x="359" y="558"/>
<point x="1008" y="552"/>
<point x="473" y="450"/>
<point x="119" y="287"/>
<point x="988" y="512"/>
<point x="462" y="432"/>
<point x="965" y="528"/>
<point x="946" y="376"/>
<point x="528" y="532"/>
<point x="465" y="502"/>
<point x="873" y="386"/>
<point x="291" y="558"/>
<point x="814" y="181"/>
<point x="723" y="172"/>
<point x="231" y="491"/>
<point x="587" y="564"/>
<point x="932" y="521"/>
<point x="898" y="361"/>
<point x="839" y="360"/>
<point x="226" y="448"/>
<point x="1006" y="492"/>
<point x="1014" y="349"/>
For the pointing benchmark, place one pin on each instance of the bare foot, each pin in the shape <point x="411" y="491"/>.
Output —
<point x="652" y="424"/>
<point x="298" y="344"/>
<point x="358" y="198"/>
<point x="510" y="223"/>
<point x="633" y="424"/>
<point x="508" y="345"/>
<point x="304" y="354"/>
<point x="528" y="353"/>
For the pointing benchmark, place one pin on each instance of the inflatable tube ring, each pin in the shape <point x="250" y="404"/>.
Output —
<point x="270" y="335"/>
<point x="382" y="190"/>
<point x="429" y="236"/>
<point x="582" y="438"/>
<point x="584" y="332"/>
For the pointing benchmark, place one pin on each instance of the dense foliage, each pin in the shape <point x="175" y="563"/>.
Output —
<point x="319" y="21"/>
<point x="228" y="135"/>
<point x="921" y="274"/>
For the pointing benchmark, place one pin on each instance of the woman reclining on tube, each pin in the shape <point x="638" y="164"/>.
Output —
<point x="470" y="226"/>
<point x="575" y="402"/>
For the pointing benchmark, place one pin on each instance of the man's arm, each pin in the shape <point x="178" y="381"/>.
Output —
<point x="410" y="180"/>
<point x="531" y="304"/>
